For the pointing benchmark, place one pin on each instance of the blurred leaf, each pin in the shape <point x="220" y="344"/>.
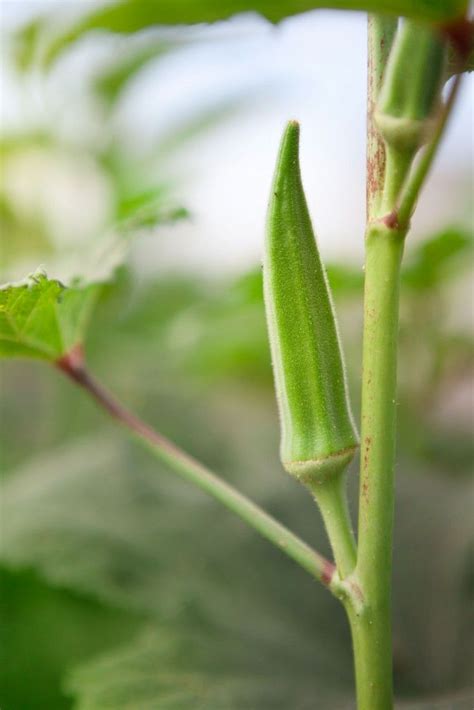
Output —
<point x="437" y="259"/>
<point x="44" y="632"/>
<point x="224" y="334"/>
<point x="41" y="318"/>
<point x="98" y="517"/>
<point x="25" y="45"/>
<point x="169" y="670"/>
<point x="145" y="210"/>
<point x="111" y="81"/>
<point x="133" y="15"/>
<point x="345" y="280"/>
<point x="451" y="701"/>
<point x="205" y="118"/>
<point x="122" y="535"/>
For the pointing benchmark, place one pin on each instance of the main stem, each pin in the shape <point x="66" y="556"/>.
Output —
<point x="371" y="623"/>
<point x="380" y="33"/>
<point x="189" y="468"/>
<point x="372" y="628"/>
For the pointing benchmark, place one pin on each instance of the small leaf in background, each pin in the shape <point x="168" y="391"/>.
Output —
<point x="438" y="258"/>
<point x="41" y="318"/>
<point x="224" y="333"/>
<point x="111" y="81"/>
<point x="145" y="210"/>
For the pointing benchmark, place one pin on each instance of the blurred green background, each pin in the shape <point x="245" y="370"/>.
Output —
<point x="121" y="586"/>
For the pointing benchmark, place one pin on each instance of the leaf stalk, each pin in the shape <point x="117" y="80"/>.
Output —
<point x="73" y="366"/>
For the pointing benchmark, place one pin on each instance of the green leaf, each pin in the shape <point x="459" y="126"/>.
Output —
<point x="40" y="318"/>
<point x="98" y="517"/>
<point x="93" y="517"/>
<point x="170" y="670"/>
<point x="130" y="16"/>
<point x="111" y="81"/>
<point x="46" y="631"/>
<point x="43" y="317"/>
<point x="145" y="210"/>
<point x="438" y="258"/>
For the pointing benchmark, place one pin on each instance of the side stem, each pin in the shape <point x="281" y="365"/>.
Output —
<point x="189" y="468"/>
<point x="417" y="177"/>
<point x="332" y="501"/>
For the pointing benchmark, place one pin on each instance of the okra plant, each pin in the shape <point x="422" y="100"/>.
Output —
<point x="417" y="54"/>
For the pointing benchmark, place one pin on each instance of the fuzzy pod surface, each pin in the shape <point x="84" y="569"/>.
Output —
<point x="318" y="436"/>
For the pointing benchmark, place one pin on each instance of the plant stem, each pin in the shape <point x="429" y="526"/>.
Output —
<point x="372" y="630"/>
<point x="397" y="166"/>
<point x="189" y="468"/>
<point x="371" y="623"/>
<point x="332" y="501"/>
<point x="417" y="177"/>
<point x="389" y="212"/>
<point x="380" y="33"/>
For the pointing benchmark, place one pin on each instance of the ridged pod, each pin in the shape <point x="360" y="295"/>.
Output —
<point x="411" y="87"/>
<point x="318" y="437"/>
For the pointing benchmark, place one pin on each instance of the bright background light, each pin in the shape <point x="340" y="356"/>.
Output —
<point x="310" y="68"/>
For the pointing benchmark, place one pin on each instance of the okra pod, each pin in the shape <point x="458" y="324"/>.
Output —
<point x="318" y="436"/>
<point x="411" y="89"/>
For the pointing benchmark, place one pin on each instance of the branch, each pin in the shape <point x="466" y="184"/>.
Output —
<point x="417" y="177"/>
<point x="74" y="367"/>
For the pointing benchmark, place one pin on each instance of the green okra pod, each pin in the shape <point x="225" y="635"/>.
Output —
<point x="411" y="88"/>
<point x="318" y="437"/>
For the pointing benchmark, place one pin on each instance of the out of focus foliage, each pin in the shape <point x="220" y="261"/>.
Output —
<point x="190" y="606"/>
<point x="123" y="587"/>
<point x="128" y="16"/>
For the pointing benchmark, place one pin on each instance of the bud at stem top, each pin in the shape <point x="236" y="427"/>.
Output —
<point x="411" y="86"/>
<point x="318" y="434"/>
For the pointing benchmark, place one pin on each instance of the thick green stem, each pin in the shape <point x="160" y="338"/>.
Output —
<point x="370" y="621"/>
<point x="332" y="501"/>
<point x="372" y="630"/>
<point x="189" y="468"/>
<point x="371" y="638"/>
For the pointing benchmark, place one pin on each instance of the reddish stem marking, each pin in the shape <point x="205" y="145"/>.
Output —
<point x="460" y="33"/>
<point x="328" y="572"/>
<point x="73" y="365"/>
